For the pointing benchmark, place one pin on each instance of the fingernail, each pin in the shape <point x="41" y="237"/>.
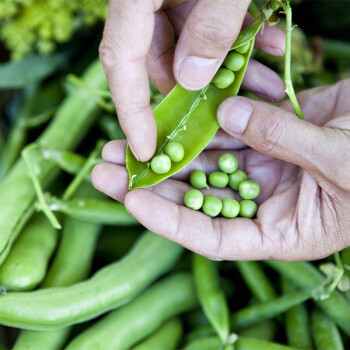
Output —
<point x="196" y="72"/>
<point x="234" y="115"/>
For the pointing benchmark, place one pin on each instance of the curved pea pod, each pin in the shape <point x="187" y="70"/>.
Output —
<point x="109" y="288"/>
<point x="27" y="262"/>
<point x="167" y="337"/>
<point x="211" y="296"/>
<point x="297" y="323"/>
<point x="99" y="211"/>
<point x="304" y="275"/>
<point x="118" y="330"/>
<point x="187" y="117"/>
<point x="76" y="249"/>
<point x="214" y="343"/>
<point x="325" y="331"/>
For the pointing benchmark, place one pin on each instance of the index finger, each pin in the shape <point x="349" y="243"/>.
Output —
<point x="126" y="41"/>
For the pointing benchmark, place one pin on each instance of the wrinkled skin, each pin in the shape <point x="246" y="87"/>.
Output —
<point x="303" y="168"/>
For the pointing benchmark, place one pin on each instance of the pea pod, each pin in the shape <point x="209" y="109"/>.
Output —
<point x="118" y="330"/>
<point x="26" y="265"/>
<point x="269" y="309"/>
<point x="265" y="330"/>
<point x="304" y="275"/>
<point x="179" y="116"/>
<point x="111" y="287"/>
<point x="167" y="337"/>
<point x="256" y="280"/>
<point x="210" y="295"/>
<point x="77" y="247"/>
<point x="325" y="331"/>
<point x="297" y="323"/>
<point x="213" y="343"/>
<point x="16" y="191"/>
<point x="99" y="211"/>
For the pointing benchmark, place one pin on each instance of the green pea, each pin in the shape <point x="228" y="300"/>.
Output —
<point x="244" y="48"/>
<point x="236" y="178"/>
<point x="234" y="61"/>
<point x="212" y="206"/>
<point x="249" y="189"/>
<point x="228" y="163"/>
<point x="199" y="180"/>
<point x="161" y="164"/>
<point x="248" y="208"/>
<point x="230" y="208"/>
<point x="218" y="179"/>
<point x="223" y="78"/>
<point x="193" y="199"/>
<point x="175" y="151"/>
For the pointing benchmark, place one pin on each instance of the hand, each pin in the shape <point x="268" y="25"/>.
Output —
<point x="303" y="168"/>
<point x="138" y="44"/>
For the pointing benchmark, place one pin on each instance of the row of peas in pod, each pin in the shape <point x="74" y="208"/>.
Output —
<point x="173" y="152"/>
<point x="230" y="176"/>
<point x="234" y="62"/>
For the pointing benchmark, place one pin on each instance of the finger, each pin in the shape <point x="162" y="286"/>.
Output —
<point x="207" y="35"/>
<point x="263" y="82"/>
<point x="126" y="41"/>
<point x="161" y="53"/>
<point x="218" y="239"/>
<point x="280" y="134"/>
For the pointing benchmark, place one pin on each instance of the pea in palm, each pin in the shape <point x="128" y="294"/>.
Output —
<point x="304" y="202"/>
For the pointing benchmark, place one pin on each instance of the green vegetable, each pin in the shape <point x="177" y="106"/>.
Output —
<point x="326" y="333"/>
<point x="199" y="180"/>
<point x="228" y="163"/>
<point x="297" y="323"/>
<point x="236" y="178"/>
<point x="243" y="49"/>
<point x="188" y="117"/>
<point x="223" y="78"/>
<point x="256" y="280"/>
<point x="304" y="275"/>
<point x="249" y="189"/>
<point x="109" y="288"/>
<point x="211" y="206"/>
<point x="265" y="330"/>
<point x="118" y="330"/>
<point x="248" y="208"/>
<point x="194" y="199"/>
<point x="161" y="164"/>
<point x="167" y="337"/>
<point x="230" y="208"/>
<point x="175" y="151"/>
<point x="234" y="61"/>
<point x="26" y="264"/>
<point x="211" y="296"/>
<point x="16" y="191"/>
<point x="218" y="179"/>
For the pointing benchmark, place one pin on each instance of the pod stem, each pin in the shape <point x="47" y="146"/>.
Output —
<point x="287" y="66"/>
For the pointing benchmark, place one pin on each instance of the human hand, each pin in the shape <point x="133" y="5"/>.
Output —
<point x="138" y="44"/>
<point x="303" y="168"/>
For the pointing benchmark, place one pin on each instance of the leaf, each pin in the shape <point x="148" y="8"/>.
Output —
<point x="17" y="74"/>
<point x="188" y="117"/>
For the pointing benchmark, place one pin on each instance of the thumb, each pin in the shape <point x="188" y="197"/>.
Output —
<point x="275" y="132"/>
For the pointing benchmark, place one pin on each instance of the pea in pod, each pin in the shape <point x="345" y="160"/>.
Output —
<point x="26" y="265"/>
<point x="180" y="114"/>
<point x="166" y="337"/>
<point x="118" y="330"/>
<point x="211" y="296"/>
<point x="109" y="288"/>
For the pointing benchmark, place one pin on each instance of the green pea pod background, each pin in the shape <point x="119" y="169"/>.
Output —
<point x="188" y="117"/>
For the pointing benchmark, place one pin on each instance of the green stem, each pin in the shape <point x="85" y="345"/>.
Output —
<point x="287" y="68"/>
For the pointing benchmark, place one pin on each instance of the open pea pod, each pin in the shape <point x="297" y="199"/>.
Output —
<point x="189" y="117"/>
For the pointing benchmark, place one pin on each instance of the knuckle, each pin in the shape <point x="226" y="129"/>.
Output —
<point x="108" y="55"/>
<point x="271" y="135"/>
<point x="213" y="34"/>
